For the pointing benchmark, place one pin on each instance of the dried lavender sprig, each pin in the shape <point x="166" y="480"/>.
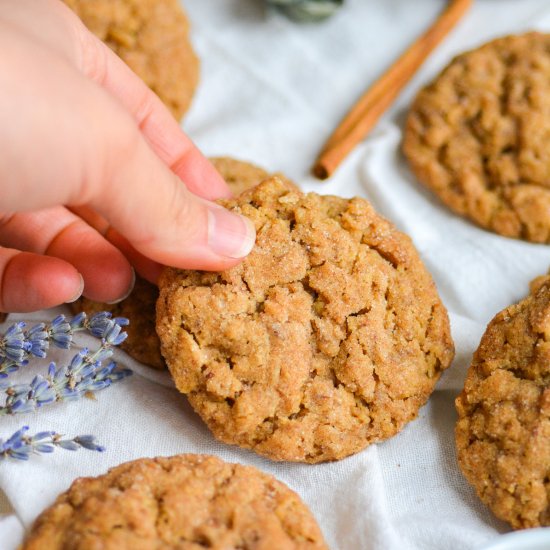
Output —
<point x="17" y="346"/>
<point x="85" y="374"/>
<point x="20" y="446"/>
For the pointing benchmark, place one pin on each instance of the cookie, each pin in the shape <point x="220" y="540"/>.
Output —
<point x="537" y="282"/>
<point x="328" y="337"/>
<point x="152" y="37"/>
<point x="503" y="431"/>
<point x="241" y="176"/>
<point x="186" y="502"/>
<point x="142" y="343"/>
<point x="477" y="136"/>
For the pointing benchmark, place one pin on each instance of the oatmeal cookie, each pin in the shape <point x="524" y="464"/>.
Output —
<point x="152" y="37"/>
<point x="186" y="502"/>
<point x="241" y="176"/>
<point x="503" y="431"/>
<point x="477" y="136"/>
<point x="537" y="282"/>
<point x="328" y="337"/>
<point x="142" y="343"/>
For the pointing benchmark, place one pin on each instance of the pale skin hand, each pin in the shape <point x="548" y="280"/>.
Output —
<point x="93" y="165"/>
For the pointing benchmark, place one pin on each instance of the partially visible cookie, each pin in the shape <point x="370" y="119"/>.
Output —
<point x="537" y="282"/>
<point x="503" y="431"/>
<point x="142" y="343"/>
<point x="152" y="37"/>
<point x="188" y="502"/>
<point x="478" y="136"/>
<point x="327" y="338"/>
<point x="241" y="176"/>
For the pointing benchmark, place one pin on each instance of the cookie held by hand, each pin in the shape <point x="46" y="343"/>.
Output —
<point x="327" y="338"/>
<point x="142" y="343"/>
<point x="185" y="502"/>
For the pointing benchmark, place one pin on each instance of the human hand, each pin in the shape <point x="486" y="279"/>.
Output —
<point x="92" y="165"/>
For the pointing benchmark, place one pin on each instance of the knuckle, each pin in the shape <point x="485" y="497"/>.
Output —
<point x="92" y="55"/>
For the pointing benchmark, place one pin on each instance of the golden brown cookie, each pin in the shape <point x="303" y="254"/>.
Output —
<point x="188" y="502"/>
<point x="503" y="431"/>
<point x="142" y="343"/>
<point x="152" y="37"/>
<point x="241" y="176"/>
<point x="478" y="136"/>
<point x="537" y="282"/>
<point x="327" y="338"/>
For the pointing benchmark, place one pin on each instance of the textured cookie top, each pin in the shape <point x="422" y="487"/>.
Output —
<point x="478" y="136"/>
<point x="151" y="36"/>
<point x="503" y="432"/>
<point x="185" y="502"/>
<point x="328" y="337"/>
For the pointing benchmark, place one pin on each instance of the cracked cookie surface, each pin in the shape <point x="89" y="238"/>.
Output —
<point x="152" y="37"/>
<point x="328" y="337"/>
<point x="185" y="502"/>
<point x="503" y="431"/>
<point x="478" y="136"/>
<point x="142" y="343"/>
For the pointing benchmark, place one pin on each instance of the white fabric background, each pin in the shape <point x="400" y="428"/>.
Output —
<point x="271" y="92"/>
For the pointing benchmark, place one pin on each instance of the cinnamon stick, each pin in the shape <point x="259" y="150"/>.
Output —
<point x="370" y="107"/>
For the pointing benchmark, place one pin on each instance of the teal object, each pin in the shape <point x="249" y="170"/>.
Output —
<point x="307" y="11"/>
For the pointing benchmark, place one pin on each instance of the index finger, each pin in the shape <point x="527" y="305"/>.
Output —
<point x="156" y="123"/>
<point x="67" y="35"/>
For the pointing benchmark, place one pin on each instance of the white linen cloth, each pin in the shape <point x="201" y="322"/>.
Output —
<point x="271" y="91"/>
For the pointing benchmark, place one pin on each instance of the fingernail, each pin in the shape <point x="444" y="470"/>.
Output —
<point x="229" y="235"/>
<point x="79" y="293"/>
<point x="129" y="291"/>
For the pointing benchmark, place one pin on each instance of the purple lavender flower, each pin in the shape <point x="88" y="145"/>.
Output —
<point x="85" y="374"/>
<point x="61" y="332"/>
<point x="88" y="442"/>
<point x="12" y="345"/>
<point x="17" y="346"/>
<point x="103" y="326"/>
<point x="21" y="446"/>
